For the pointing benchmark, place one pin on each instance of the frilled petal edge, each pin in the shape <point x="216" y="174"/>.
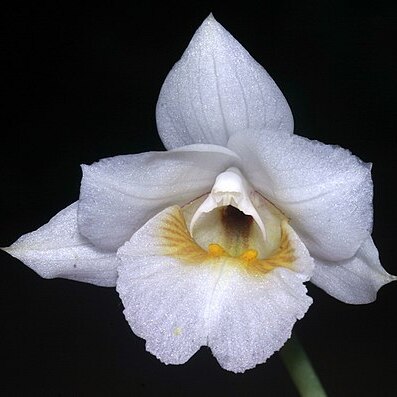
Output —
<point x="178" y="298"/>
<point x="57" y="250"/>
<point x="355" y="280"/>
<point x="324" y="190"/>
<point x="119" y="194"/>
<point x="217" y="89"/>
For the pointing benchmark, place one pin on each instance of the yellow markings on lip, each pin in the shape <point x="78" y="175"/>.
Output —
<point x="177" y="242"/>
<point x="216" y="250"/>
<point x="281" y="257"/>
<point x="249" y="255"/>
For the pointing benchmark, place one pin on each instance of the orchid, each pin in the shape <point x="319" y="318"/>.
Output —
<point x="210" y="242"/>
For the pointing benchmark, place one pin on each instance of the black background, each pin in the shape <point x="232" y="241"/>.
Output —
<point x="81" y="83"/>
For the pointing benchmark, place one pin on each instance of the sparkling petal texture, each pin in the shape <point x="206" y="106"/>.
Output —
<point x="355" y="280"/>
<point x="217" y="89"/>
<point x="218" y="237"/>
<point x="178" y="307"/>
<point x="121" y="193"/>
<point x="324" y="190"/>
<point x="58" y="250"/>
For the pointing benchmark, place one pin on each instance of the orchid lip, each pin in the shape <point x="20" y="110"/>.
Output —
<point x="230" y="188"/>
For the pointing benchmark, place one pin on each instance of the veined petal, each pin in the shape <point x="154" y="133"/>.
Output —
<point x="163" y="304"/>
<point x="324" y="190"/>
<point x="179" y="296"/>
<point x="217" y="89"/>
<point x="355" y="280"/>
<point x="58" y="250"/>
<point x="253" y="318"/>
<point x="119" y="194"/>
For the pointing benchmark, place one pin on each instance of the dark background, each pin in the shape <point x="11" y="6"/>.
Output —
<point x="81" y="83"/>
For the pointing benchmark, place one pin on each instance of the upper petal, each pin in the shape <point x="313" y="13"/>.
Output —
<point x="355" y="280"/>
<point x="217" y="89"/>
<point x="119" y="194"/>
<point x="58" y="250"/>
<point x="324" y="190"/>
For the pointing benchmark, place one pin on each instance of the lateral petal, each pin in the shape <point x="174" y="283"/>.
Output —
<point x="119" y="194"/>
<point x="355" y="280"/>
<point x="57" y="250"/>
<point x="324" y="190"/>
<point x="178" y="298"/>
<point x="217" y="89"/>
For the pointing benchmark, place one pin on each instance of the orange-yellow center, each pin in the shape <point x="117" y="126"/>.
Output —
<point x="178" y="243"/>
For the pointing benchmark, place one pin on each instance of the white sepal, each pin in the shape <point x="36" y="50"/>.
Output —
<point x="355" y="280"/>
<point x="57" y="250"/>
<point x="217" y="89"/>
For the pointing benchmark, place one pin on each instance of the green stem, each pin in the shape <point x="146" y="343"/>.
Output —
<point x="301" y="370"/>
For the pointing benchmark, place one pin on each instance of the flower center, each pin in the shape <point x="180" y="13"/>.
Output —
<point x="230" y="190"/>
<point x="234" y="230"/>
<point x="233" y="220"/>
<point x="233" y="225"/>
<point x="176" y="242"/>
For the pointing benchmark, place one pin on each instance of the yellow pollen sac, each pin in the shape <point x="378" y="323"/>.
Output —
<point x="216" y="250"/>
<point x="249" y="255"/>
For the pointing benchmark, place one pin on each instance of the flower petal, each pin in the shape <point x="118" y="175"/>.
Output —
<point x="324" y="190"/>
<point x="255" y="317"/>
<point x="355" y="280"/>
<point x="217" y="89"/>
<point x="58" y="250"/>
<point x="179" y="298"/>
<point x="119" y="194"/>
<point x="164" y="301"/>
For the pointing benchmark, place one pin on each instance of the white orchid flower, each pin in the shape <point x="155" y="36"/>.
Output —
<point x="210" y="243"/>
